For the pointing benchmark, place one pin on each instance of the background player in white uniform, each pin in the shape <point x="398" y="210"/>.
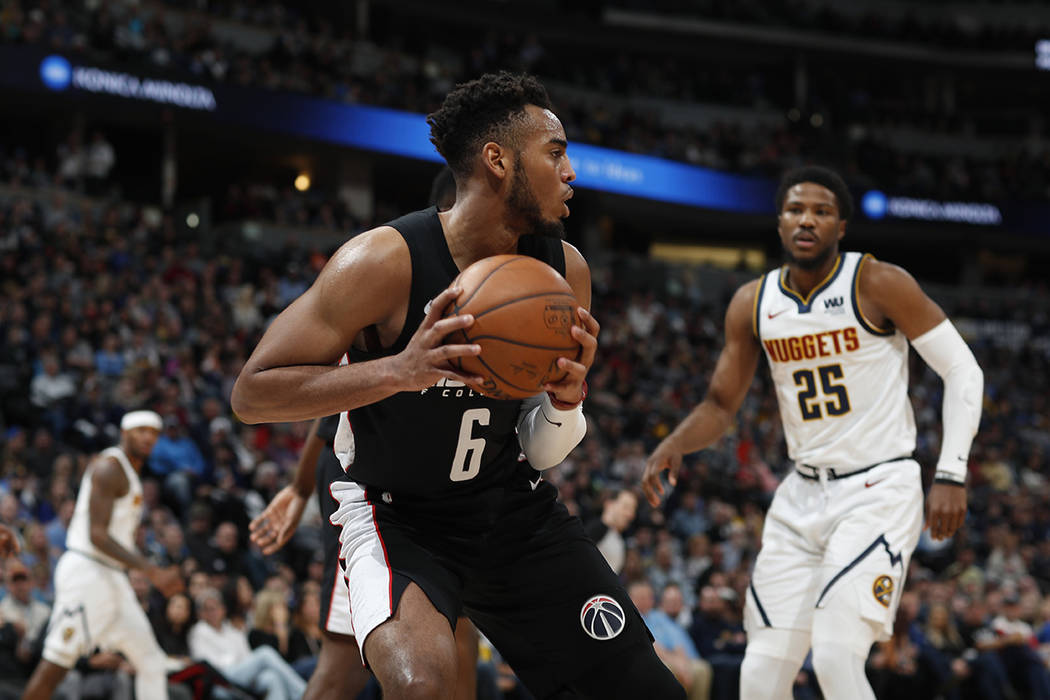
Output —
<point x="843" y="524"/>
<point x="94" y="602"/>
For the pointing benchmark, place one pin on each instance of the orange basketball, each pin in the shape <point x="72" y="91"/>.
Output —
<point x="523" y="310"/>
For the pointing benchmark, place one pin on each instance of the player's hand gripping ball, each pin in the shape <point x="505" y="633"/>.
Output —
<point x="523" y="312"/>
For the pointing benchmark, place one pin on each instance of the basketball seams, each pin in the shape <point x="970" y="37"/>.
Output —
<point x="515" y="300"/>
<point x="521" y="344"/>
<point x="496" y="374"/>
<point x="481" y="283"/>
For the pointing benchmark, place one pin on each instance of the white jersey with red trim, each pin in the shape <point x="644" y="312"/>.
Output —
<point x="841" y="382"/>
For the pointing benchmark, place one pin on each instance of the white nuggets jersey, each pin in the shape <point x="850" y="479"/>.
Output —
<point x="127" y="512"/>
<point x="841" y="382"/>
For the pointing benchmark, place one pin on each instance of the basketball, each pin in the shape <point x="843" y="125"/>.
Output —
<point x="523" y="311"/>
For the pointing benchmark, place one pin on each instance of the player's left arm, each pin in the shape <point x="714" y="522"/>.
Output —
<point x="552" y="423"/>
<point x="893" y="295"/>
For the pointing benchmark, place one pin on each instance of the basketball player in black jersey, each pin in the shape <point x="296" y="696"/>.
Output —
<point x="439" y="513"/>
<point x="334" y="677"/>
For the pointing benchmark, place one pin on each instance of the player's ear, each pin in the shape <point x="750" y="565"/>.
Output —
<point x="496" y="159"/>
<point x="842" y="229"/>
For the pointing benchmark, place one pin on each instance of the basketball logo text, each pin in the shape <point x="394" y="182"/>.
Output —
<point x="558" y="317"/>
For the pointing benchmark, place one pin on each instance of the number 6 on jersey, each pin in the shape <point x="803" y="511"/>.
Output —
<point x="467" y="461"/>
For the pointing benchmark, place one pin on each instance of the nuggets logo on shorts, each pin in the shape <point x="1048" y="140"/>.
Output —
<point x="67" y="633"/>
<point x="882" y="589"/>
<point x="602" y="618"/>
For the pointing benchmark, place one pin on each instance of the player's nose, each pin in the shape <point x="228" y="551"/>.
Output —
<point x="569" y="174"/>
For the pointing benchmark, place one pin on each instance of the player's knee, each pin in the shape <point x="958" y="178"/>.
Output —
<point x="416" y="673"/>
<point x="841" y="641"/>
<point x="339" y="672"/>
<point x="419" y="681"/>
<point x="763" y="677"/>
<point x="771" y="662"/>
<point x="826" y="656"/>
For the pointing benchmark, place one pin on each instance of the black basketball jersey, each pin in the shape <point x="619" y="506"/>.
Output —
<point x="446" y="438"/>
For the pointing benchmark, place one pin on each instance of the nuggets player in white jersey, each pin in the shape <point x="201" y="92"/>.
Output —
<point x="835" y="329"/>
<point x="94" y="602"/>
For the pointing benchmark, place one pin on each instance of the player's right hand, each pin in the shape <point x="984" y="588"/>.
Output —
<point x="272" y="528"/>
<point x="166" y="579"/>
<point x="425" y="359"/>
<point x="665" y="457"/>
<point x="8" y="542"/>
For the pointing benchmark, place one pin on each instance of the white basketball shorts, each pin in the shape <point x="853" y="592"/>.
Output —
<point x="847" y="541"/>
<point x="94" y="606"/>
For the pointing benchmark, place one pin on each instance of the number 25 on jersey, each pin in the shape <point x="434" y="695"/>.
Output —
<point x="834" y="398"/>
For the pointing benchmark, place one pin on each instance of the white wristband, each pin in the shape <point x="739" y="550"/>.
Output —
<point x="547" y="434"/>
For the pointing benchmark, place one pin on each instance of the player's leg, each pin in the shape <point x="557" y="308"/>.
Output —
<point x="778" y="609"/>
<point x="466" y="659"/>
<point x="841" y="642"/>
<point x="866" y="557"/>
<point x="413" y="653"/>
<point x="566" y="625"/>
<point x="74" y="614"/>
<point x="771" y="663"/>
<point x="46" y="677"/>
<point x="131" y="634"/>
<point x="405" y="633"/>
<point x="339" y="673"/>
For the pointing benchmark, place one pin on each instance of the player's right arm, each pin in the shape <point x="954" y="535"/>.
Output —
<point x="711" y="417"/>
<point x="291" y="375"/>
<point x="108" y="483"/>
<point x="272" y="528"/>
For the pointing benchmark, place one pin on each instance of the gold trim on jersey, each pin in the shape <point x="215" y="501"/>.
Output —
<point x="757" y="303"/>
<point x="855" y="299"/>
<point x="804" y="303"/>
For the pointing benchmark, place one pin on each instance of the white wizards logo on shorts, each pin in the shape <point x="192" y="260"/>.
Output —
<point x="602" y="618"/>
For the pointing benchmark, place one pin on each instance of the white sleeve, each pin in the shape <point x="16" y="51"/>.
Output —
<point x="946" y="352"/>
<point x="548" y="434"/>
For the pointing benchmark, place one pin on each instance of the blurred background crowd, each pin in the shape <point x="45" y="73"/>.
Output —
<point x="114" y="299"/>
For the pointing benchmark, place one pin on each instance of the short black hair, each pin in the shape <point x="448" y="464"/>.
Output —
<point x="825" y="177"/>
<point x="479" y="111"/>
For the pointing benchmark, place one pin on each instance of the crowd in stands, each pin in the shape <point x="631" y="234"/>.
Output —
<point x="939" y="25"/>
<point x="845" y="121"/>
<point x="105" y="308"/>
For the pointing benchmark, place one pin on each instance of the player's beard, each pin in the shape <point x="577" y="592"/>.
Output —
<point x="523" y="209"/>
<point x="135" y="451"/>
<point x="813" y="263"/>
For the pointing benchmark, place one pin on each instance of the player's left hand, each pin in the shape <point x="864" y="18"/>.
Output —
<point x="945" y="509"/>
<point x="570" y="389"/>
<point x="272" y="529"/>
<point x="8" y="542"/>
